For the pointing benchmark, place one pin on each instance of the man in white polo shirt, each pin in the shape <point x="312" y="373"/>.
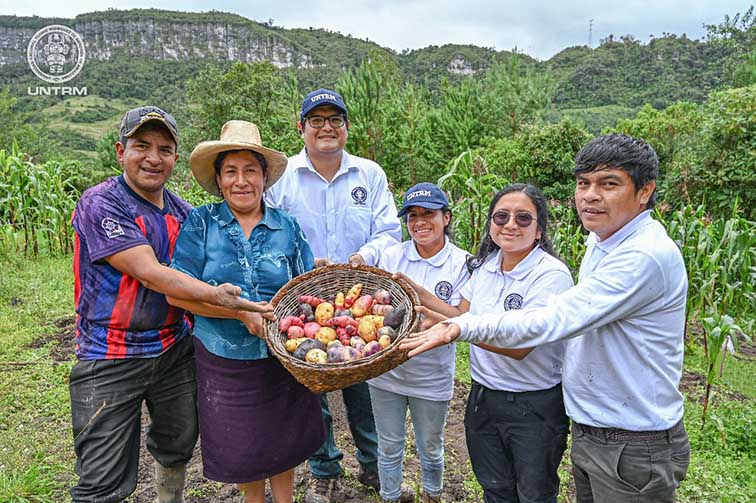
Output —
<point x="343" y="204"/>
<point x="625" y="320"/>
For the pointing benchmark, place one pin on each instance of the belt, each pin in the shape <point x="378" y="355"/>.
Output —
<point x="621" y="435"/>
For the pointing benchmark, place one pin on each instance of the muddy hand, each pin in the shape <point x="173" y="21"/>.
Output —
<point x="429" y="317"/>
<point x="356" y="260"/>
<point x="438" y="335"/>
<point x="253" y="322"/>
<point x="229" y="296"/>
<point x="322" y="262"/>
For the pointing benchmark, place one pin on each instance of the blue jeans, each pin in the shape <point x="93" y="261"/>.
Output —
<point x="428" y="420"/>
<point x="325" y="462"/>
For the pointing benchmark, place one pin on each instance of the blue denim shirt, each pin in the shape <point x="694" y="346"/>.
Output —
<point x="212" y="247"/>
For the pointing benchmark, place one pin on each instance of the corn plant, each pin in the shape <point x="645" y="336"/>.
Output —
<point x="471" y="188"/>
<point x="36" y="202"/>
<point x="567" y="234"/>
<point x="720" y="338"/>
<point x="720" y="256"/>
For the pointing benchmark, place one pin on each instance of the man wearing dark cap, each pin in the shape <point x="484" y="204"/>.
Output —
<point x="133" y="347"/>
<point x="347" y="214"/>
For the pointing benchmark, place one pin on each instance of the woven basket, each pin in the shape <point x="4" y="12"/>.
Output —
<point x="325" y="282"/>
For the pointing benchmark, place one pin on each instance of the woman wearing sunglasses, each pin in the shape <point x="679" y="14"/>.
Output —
<point x="515" y="423"/>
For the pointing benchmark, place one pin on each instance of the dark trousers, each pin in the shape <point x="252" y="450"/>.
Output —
<point x="637" y="471"/>
<point x="106" y="409"/>
<point x="359" y="410"/>
<point x="516" y="442"/>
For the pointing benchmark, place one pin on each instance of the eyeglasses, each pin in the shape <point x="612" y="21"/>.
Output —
<point x="318" y="121"/>
<point x="522" y="219"/>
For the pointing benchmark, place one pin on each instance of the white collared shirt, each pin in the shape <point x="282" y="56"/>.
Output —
<point x="353" y="213"/>
<point x="629" y="310"/>
<point x="530" y="284"/>
<point x="429" y="376"/>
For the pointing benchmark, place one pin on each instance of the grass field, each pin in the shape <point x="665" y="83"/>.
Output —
<point x="36" y="454"/>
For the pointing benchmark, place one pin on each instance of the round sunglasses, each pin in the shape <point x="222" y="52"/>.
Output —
<point x="522" y="219"/>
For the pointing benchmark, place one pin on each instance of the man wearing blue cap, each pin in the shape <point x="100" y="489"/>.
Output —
<point x="347" y="214"/>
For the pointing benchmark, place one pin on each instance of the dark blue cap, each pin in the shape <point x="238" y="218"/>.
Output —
<point x="320" y="98"/>
<point x="425" y="195"/>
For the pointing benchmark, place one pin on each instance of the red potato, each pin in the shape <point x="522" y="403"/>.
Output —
<point x="362" y="306"/>
<point x="311" y="300"/>
<point x="342" y="322"/>
<point x="288" y="321"/>
<point x="381" y="309"/>
<point x="311" y="329"/>
<point x="383" y="297"/>
<point x="295" y="332"/>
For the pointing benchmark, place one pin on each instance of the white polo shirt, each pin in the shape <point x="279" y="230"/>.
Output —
<point x="353" y="213"/>
<point x="629" y="306"/>
<point x="530" y="284"/>
<point x="429" y="376"/>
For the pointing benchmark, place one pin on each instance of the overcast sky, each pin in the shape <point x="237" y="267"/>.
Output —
<point x="538" y="28"/>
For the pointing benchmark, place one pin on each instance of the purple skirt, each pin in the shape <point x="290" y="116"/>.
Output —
<point x="255" y="419"/>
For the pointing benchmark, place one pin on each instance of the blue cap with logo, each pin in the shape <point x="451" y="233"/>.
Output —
<point x="319" y="98"/>
<point x="425" y="195"/>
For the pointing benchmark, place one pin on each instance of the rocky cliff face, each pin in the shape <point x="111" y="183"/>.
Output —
<point x="166" y="40"/>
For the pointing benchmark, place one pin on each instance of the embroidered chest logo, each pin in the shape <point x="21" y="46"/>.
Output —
<point x="112" y="228"/>
<point x="512" y="302"/>
<point x="359" y="195"/>
<point x="443" y="290"/>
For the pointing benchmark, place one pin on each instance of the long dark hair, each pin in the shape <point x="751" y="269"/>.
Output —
<point x="487" y="245"/>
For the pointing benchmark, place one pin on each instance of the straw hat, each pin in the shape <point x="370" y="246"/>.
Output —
<point x="235" y="135"/>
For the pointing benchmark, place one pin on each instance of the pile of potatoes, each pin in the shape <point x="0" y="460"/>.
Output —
<point x="346" y="328"/>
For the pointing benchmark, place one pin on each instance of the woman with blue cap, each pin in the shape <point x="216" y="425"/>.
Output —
<point x="425" y="384"/>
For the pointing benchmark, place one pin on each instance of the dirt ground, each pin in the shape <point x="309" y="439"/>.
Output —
<point x="201" y="490"/>
<point x="457" y="487"/>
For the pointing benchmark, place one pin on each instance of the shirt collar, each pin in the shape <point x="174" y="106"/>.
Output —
<point x="613" y="241"/>
<point x="436" y="260"/>
<point x="270" y="219"/>
<point x="347" y="163"/>
<point x="522" y="269"/>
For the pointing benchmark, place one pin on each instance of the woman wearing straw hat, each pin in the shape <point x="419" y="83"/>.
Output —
<point x="256" y="421"/>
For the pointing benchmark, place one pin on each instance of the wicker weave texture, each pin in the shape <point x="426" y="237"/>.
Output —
<point x="325" y="282"/>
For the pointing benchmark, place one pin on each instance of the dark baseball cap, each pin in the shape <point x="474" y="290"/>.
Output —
<point x="137" y="117"/>
<point x="425" y="195"/>
<point x="319" y="98"/>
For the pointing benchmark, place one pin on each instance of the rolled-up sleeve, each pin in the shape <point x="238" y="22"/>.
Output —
<point x="385" y="228"/>
<point x="189" y="254"/>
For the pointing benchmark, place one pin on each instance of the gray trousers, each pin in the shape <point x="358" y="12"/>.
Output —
<point x="634" y="471"/>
